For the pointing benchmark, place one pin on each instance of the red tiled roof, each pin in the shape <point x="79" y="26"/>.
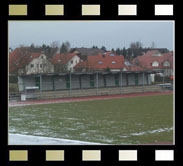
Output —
<point x="62" y="58"/>
<point x="147" y="59"/>
<point x="20" y="57"/>
<point x="105" y="60"/>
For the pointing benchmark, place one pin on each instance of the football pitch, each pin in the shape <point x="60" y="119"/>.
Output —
<point x="135" y="120"/>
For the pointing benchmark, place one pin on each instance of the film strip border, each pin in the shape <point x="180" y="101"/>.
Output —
<point x="91" y="10"/>
<point x="91" y="155"/>
<point x="16" y="157"/>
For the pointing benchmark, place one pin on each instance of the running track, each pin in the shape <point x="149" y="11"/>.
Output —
<point x="50" y="101"/>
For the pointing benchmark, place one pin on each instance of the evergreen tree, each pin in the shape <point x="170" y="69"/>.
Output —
<point x="103" y="48"/>
<point x="63" y="49"/>
<point x="118" y="51"/>
<point x="124" y="52"/>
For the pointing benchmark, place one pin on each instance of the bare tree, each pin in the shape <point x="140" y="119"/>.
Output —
<point x="153" y="45"/>
<point x="136" y="45"/>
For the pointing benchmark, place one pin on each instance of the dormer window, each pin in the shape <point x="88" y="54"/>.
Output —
<point x="100" y="62"/>
<point x="166" y="63"/>
<point x="113" y="62"/>
<point x="155" y="64"/>
<point x="157" y="54"/>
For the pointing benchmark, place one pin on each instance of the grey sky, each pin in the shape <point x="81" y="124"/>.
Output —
<point x="111" y="34"/>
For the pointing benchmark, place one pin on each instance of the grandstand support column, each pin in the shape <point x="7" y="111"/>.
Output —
<point x="121" y="82"/>
<point x="53" y="82"/>
<point x="163" y="77"/>
<point x="80" y="83"/>
<point x="147" y="76"/>
<point x="126" y="79"/>
<point x="70" y="78"/>
<point x="143" y="80"/>
<point x="40" y="86"/>
<point x="97" y="83"/>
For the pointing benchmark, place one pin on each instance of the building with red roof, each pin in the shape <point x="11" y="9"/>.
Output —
<point x="102" y="62"/>
<point x="154" y="60"/>
<point x="65" y="62"/>
<point x="23" y="61"/>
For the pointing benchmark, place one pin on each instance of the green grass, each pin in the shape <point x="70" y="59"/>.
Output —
<point x="113" y="121"/>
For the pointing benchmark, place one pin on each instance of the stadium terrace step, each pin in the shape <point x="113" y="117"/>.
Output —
<point x="99" y="91"/>
<point x="91" y="92"/>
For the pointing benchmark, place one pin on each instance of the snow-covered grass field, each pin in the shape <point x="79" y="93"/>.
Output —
<point x="137" y="120"/>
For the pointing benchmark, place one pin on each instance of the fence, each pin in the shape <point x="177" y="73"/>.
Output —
<point x="37" y="94"/>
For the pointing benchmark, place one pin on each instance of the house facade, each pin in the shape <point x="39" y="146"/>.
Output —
<point x="154" y="60"/>
<point x="65" y="62"/>
<point x="37" y="65"/>
<point x="24" y="62"/>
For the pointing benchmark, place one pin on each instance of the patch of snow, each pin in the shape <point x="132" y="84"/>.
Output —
<point x="19" y="139"/>
<point x="148" y="132"/>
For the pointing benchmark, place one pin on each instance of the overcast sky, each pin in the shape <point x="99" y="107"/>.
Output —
<point x="111" y="34"/>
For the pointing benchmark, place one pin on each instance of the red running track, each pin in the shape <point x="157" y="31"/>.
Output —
<point x="73" y="99"/>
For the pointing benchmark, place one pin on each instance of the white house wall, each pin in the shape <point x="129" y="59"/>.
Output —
<point x="47" y="67"/>
<point x="70" y="66"/>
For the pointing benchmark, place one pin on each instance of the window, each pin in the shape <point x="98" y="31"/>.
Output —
<point x="166" y="63"/>
<point x="42" y="57"/>
<point x="71" y="62"/>
<point x="32" y="65"/>
<point x="155" y="64"/>
<point x="100" y="62"/>
<point x="112" y="55"/>
<point x="41" y="65"/>
<point x="76" y="61"/>
<point x="113" y="62"/>
<point x="157" y="54"/>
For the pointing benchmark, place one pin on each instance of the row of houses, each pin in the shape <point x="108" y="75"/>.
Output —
<point x="66" y="71"/>
<point x="35" y="63"/>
